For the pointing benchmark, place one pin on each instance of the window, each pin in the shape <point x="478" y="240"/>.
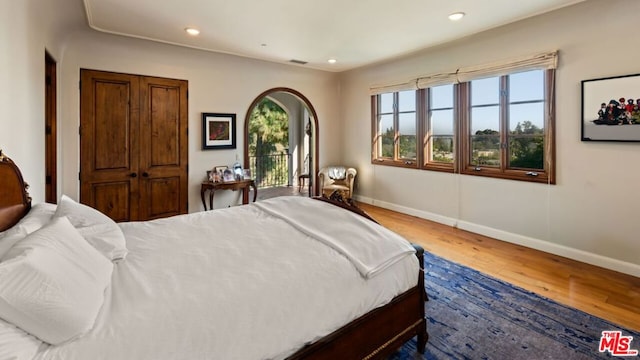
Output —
<point x="440" y="148"/>
<point x="505" y="131"/>
<point x="407" y="146"/>
<point x="395" y="128"/>
<point x="526" y="120"/>
<point x="484" y="123"/>
<point x="497" y="126"/>
<point x="386" y="125"/>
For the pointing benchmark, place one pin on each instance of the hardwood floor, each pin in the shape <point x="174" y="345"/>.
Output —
<point x="604" y="293"/>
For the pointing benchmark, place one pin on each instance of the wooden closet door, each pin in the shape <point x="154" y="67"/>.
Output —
<point x="133" y="145"/>
<point x="163" y="147"/>
<point x="109" y="128"/>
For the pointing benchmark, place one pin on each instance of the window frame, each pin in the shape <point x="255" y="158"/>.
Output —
<point x="377" y="137"/>
<point x="462" y="142"/>
<point x="504" y="171"/>
<point x="427" y="164"/>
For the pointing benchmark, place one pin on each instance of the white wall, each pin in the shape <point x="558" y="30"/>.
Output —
<point x="27" y="28"/>
<point x="591" y="214"/>
<point x="217" y="83"/>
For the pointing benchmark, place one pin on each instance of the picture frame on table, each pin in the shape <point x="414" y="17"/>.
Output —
<point x="246" y="174"/>
<point x="216" y="173"/>
<point x="228" y="175"/>
<point x="220" y="169"/>
<point x="611" y="109"/>
<point x="218" y="131"/>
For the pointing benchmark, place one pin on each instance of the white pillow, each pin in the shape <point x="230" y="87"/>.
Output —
<point x="15" y="344"/>
<point x="97" y="228"/>
<point x="39" y="215"/>
<point x="53" y="283"/>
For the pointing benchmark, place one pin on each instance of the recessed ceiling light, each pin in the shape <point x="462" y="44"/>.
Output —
<point x="456" y="16"/>
<point x="332" y="61"/>
<point x="192" y="31"/>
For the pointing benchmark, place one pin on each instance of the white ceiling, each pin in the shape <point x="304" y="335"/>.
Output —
<point x="354" y="32"/>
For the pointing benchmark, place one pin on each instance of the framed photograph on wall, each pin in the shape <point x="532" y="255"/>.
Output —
<point x="218" y="131"/>
<point x="611" y="109"/>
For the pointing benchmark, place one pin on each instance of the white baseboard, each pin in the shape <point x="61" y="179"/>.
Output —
<point x="409" y="211"/>
<point x="542" y="245"/>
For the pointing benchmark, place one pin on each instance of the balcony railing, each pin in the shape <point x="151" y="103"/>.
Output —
<point x="271" y="170"/>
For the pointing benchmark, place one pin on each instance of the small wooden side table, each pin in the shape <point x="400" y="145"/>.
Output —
<point x="212" y="187"/>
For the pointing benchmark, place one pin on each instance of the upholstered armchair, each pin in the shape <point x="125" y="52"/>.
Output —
<point x="337" y="179"/>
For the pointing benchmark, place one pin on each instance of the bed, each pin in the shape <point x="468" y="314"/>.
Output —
<point x="277" y="279"/>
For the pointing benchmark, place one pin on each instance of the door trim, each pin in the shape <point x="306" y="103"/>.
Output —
<point x="315" y="130"/>
<point x="50" y="129"/>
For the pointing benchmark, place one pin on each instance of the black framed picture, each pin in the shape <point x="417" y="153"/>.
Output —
<point x="611" y="109"/>
<point x="218" y="131"/>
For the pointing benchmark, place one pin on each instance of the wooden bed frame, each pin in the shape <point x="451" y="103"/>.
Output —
<point x="15" y="202"/>
<point x="374" y="335"/>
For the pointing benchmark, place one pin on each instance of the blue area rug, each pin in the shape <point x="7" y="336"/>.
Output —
<point x="474" y="316"/>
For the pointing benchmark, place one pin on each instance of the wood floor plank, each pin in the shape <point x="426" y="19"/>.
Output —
<point x="600" y="292"/>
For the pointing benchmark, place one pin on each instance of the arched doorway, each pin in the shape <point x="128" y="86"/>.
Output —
<point x="303" y="139"/>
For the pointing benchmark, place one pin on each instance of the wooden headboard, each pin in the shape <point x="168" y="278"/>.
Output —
<point x="15" y="201"/>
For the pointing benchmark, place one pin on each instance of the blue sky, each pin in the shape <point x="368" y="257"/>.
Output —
<point x="524" y="86"/>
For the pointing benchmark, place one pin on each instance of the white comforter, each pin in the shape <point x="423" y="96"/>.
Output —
<point x="237" y="283"/>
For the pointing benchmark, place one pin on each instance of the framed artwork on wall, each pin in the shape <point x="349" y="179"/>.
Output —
<point x="218" y="131"/>
<point x="611" y="109"/>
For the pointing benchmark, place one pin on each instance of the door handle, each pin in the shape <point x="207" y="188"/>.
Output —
<point x="133" y="175"/>
<point x="145" y="174"/>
